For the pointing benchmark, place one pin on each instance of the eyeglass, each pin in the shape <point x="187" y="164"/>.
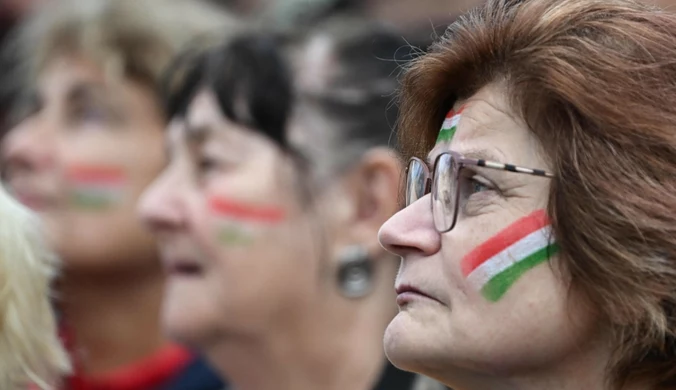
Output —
<point x="445" y="184"/>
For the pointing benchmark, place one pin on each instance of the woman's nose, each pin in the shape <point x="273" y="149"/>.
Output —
<point x="160" y="206"/>
<point x="29" y="147"/>
<point x="411" y="231"/>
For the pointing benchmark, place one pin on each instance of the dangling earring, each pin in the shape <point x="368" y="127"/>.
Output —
<point x="355" y="272"/>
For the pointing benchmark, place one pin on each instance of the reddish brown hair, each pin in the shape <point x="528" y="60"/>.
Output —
<point x="595" y="81"/>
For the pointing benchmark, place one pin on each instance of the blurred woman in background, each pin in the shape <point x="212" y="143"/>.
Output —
<point x="30" y="350"/>
<point x="268" y="211"/>
<point x="89" y="138"/>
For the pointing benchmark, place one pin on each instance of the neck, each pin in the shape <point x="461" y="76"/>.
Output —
<point x="336" y="344"/>
<point x="114" y="319"/>
<point x="585" y="368"/>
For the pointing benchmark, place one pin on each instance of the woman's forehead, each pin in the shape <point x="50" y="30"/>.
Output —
<point x="481" y="131"/>
<point x="492" y="153"/>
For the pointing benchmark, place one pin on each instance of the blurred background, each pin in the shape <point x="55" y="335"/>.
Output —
<point x="419" y="20"/>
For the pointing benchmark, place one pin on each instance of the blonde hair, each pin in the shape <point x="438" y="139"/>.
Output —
<point x="30" y="350"/>
<point x="132" y="38"/>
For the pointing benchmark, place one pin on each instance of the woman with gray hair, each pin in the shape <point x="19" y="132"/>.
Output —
<point x="87" y="140"/>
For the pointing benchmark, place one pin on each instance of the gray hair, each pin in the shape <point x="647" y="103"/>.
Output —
<point x="126" y="37"/>
<point x="347" y="72"/>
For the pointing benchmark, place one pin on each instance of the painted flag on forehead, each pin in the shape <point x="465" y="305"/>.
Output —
<point x="237" y="220"/>
<point x="95" y="186"/>
<point x="496" y="264"/>
<point x="450" y="125"/>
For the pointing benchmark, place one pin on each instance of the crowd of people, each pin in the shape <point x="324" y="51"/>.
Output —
<point x="210" y="195"/>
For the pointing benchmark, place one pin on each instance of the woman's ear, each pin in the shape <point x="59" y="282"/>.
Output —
<point x="374" y="186"/>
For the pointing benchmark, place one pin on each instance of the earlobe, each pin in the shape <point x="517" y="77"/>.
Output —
<point x="355" y="272"/>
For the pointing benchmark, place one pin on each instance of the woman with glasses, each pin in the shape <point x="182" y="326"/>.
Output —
<point x="267" y="213"/>
<point x="538" y="241"/>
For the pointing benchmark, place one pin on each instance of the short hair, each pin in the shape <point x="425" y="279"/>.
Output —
<point x="595" y="82"/>
<point x="30" y="350"/>
<point x="248" y="75"/>
<point x="256" y="69"/>
<point x="130" y="38"/>
<point x="353" y="93"/>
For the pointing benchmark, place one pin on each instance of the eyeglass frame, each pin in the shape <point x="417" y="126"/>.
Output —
<point x="461" y="162"/>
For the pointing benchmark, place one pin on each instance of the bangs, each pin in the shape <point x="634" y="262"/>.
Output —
<point x="248" y="76"/>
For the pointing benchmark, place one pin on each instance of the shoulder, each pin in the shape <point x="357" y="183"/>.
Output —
<point x="197" y="375"/>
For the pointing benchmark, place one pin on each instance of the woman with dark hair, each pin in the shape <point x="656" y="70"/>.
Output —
<point x="267" y="214"/>
<point x="538" y="241"/>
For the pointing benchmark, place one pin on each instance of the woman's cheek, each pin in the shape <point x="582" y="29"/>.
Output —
<point x="236" y="223"/>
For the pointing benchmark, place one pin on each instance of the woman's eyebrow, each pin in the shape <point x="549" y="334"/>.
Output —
<point x="476" y="154"/>
<point x="484" y="154"/>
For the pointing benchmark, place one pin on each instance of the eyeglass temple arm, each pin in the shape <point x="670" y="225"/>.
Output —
<point x="506" y="167"/>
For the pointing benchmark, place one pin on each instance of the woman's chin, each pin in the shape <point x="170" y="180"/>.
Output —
<point x="187" y="323"/>
<point x="400" y="342"/>
<point x="416" y="343"/>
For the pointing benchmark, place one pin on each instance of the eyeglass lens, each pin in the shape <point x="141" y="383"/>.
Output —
<point x="415" y="181"/>
<point x="444" y="192"/>
<point x="444" y="188"/>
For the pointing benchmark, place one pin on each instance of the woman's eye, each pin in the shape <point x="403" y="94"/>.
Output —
<point x="206" y="164"/>
<point x="90" y="114"/>
<point x="474" y="185"/>
<point x="477" y="193"/>
<point x="477" y="185"/>
<point x="93" y="114"/>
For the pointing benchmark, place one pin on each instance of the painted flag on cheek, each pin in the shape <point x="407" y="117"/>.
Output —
<point x="494" y="266"/>
<point x="96" y="187"/>
<point x="450" y="125"/>
<point x="237" y="221"/>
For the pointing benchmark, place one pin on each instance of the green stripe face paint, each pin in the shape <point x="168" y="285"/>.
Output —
<point x="450" y="126"/>
<point x="95" y="187"/>
<point x="494" y="266"/>
<point x="236" y="222"/>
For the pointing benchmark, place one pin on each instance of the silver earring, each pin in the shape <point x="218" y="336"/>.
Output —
<point x="355" y="272"/>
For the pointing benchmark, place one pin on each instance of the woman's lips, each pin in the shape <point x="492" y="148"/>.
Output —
<point x="407" y="293"/>
<point x="183" y="268"/>
<point x="32" y="201"/>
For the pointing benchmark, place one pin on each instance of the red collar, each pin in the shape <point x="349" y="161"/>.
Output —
<point x="147" y="374"/>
